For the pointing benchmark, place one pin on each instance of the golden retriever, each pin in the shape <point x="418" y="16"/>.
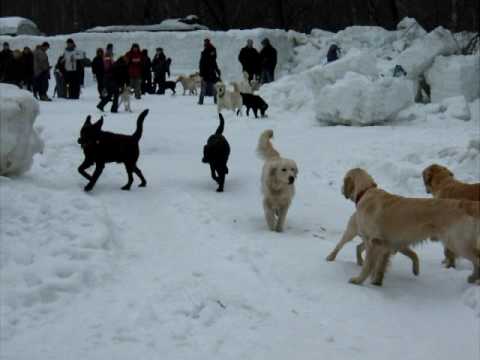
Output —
<point x="189" y="83"/>
<point x="278" y="182"/>
<point x="441" y="183"/>
<point x="389" y="223"/>
<point x="226" y="99"/>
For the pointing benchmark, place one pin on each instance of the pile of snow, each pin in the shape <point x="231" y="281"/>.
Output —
<point x="408" y="30"/>
<point x="297" y="91"/>
<point x="19" y="141"/>
<point x="457" y="107"/>
<point x="358" y="100"/>
<point x="183" y="48"/>
<point x="17" y="26"/>
<point x="187" y="24"/>
<point x="53" y="244"/>
<point x="454" y="75"/>
<point x="420" y="56"/>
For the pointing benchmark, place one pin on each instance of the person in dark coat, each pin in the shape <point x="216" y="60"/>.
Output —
<point x="332" y="53"/>
<point x="146" y="73"/>
<point x="268" y="60"/>
<point x="41" y="71"/>
<point x="209" y="71"/>
<point x="116" y="77"/>
<point x="27" y="66"/>
<point x="250" y="60"/>
<point x="160" y="70"/>
<point x="99" y="71"/>
<point x="14" y="70"/>
<point x="59" y="75"/>
<point x="6" y="58"/>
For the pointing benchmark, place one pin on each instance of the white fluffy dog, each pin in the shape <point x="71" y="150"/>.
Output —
<point x="278" y="178"/>
<point x="244" y="85"/>
<point x="125" y="96"/>
<point x="230" y="100"/>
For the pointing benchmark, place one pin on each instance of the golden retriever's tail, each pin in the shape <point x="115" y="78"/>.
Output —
<point x="265" y="148"/>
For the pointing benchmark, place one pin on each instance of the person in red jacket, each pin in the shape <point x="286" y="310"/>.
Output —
<point x="135" y="61"/>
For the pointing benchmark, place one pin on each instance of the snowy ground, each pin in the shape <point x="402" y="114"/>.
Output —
<point x="178" y="271"/>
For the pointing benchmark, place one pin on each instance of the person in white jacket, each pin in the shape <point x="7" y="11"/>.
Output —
<point x="71" y="57"/>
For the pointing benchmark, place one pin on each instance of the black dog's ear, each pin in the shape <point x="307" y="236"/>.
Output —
<point x="88" y="121"/>
<point x="99" y="123"/>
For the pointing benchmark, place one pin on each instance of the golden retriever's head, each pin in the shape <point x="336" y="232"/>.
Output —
<point x="355" y="182"/>
<point x="220" y="88"/>
<point x="282" y="173"/>
<point x="435" y="174"/>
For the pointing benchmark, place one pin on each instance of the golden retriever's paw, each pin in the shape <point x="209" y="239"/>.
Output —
<point x="356" y="281"/>
<point x="473" y="279"/>
<point x="377" y="282"/>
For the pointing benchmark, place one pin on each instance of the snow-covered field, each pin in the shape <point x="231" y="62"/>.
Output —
<point x="177" y="271"/>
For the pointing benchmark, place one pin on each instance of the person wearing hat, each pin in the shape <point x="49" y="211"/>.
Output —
<point x="41" y="71"/>
<point x="135" y="66"/>
<point x="250" y="60"/>
<point x="209" y="71"/>
<point x="71" y="58"/>
<point x="268" y="60"/>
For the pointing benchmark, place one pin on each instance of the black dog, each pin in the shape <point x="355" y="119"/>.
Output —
<point x="216" y="153"/>
<point x="254" y="102"/>
<point x="166" y="85"/>
<point x="101" y="147"/>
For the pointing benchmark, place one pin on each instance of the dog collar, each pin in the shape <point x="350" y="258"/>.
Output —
<point x="359" y="197"/>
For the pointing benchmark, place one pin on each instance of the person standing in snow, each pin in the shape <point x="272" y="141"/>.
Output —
<point x="116" y="77"/>
<point x="209" y="71"/>
<point x="41" y="71"/>
<point x="268" y="61"/>
<point x="134" y="60"/>
<point x="160" y="70"/>
<point x="6" y="58"/>
<point x="98" y="71"/>
<point x="146" y="73"/>
<point x="250" y="60"/>
<point x="27" y="65"/>
<point x="71" y="58"/>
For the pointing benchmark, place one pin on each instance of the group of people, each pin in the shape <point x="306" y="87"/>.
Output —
<point x="26" y="68"/>
<point x="135" y="70"/>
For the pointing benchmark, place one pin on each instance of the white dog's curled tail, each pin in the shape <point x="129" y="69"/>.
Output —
<point x="265" y="148"/>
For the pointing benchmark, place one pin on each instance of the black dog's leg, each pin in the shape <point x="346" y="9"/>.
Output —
<point x="96" y="174"/>
<point x="85" y="165"/>
<point x="129" y="169"/>
<point x="255" y="112"/>
<point x="138" y="172"/>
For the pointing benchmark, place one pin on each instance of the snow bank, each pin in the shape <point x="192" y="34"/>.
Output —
<point x="359" y="100"/>
<point x="408" y="30"/>
<point x="296" y="91"/>
<point x="183" y="47"/>
<point x="419" y="57"/>
<point x="53" y="244"/>
<point x="454" y="75"/>
<point x="17" y="26"/>
<point x="457" y="107"/>
<point x="165" y="25"/>
<point x="18" y="139"/>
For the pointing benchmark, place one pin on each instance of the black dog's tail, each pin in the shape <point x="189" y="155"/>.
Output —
<point x="138" y="132"/>
<point x="221" y="126"/>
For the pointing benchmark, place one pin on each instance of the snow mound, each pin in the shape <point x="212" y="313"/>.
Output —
<point x="19" y="141"/>
<point x="359" y="100"/>
<point x="408" y="30"/>
<point x="52" y="244"/>
<point x="417" y="58"/>
<point x="15" y="25"/>
<point x="187" y="24"/>
<point x="454" y="75"/>
<point x="457" y="107"/>
<point x="296" y="91"/>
